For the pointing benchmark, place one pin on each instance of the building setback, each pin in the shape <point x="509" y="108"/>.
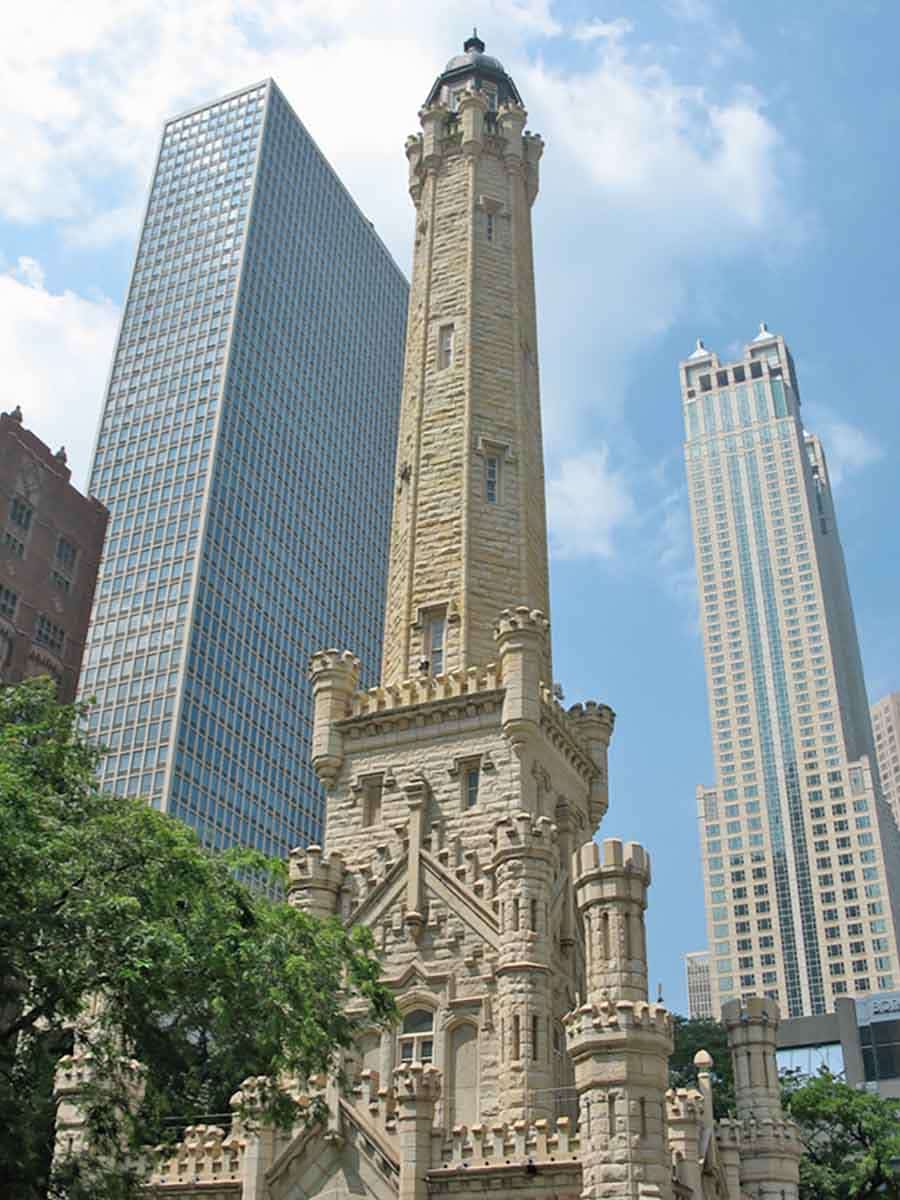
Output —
<point x="886" y="727"/>
<point x="245" y="452"/>
<point x="51" y="546"/>
<point x="799" y="849"/>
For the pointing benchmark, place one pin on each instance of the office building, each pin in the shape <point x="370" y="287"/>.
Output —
<point x="49" y="554"/>
<point x="796" y="838"/>
<point x="245" y="452"/>
<point x="699" y="993"/>
<point x="886" y="728"/>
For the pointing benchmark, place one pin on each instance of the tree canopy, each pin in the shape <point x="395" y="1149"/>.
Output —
<point x="700" y="1033"/>
<point x="201" y="979"/>
<point x="850" y="1138"/>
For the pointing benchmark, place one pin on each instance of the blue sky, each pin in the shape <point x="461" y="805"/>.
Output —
<point x="708" y="165"/>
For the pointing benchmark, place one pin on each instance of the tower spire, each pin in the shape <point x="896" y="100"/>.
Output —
<point x="469" y="536"/>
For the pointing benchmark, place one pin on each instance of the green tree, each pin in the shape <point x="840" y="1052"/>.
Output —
<point x="699" y="1033"/>
<point x="849" y="1136"/>
<point x="202" y="980"/>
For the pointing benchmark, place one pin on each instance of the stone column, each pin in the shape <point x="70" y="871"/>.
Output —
<point x="335" y="677"/>
<point x="524" y="853"/>
<point x="417" y="1088"/>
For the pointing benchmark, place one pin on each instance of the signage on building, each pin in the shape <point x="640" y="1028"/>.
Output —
<point x="883" y="1007"/>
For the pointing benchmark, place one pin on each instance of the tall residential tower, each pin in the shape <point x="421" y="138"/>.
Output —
<point x="799" y="849"/>
<point x="886" y="727"/>
<point x="244" y="452"/>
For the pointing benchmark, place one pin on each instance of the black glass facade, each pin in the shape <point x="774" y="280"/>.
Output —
<point x="246" y="453"/>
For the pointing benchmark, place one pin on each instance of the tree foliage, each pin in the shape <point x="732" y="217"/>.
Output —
<point x="700" y="1033"/>
<point x="201" y="979"/>
<point x="850" y="1138"/>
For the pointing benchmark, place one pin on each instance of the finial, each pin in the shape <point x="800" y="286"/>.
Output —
<point x="659" y="995"/>
<point x="699" y="345"/>
<point x="61" y="455"/>
<point x="763" y="327"/>
<point x="16" y="413"/>
<point x="703" y="1060"/>
<point x="474" y="43"/>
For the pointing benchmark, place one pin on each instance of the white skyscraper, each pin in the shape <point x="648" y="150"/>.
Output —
<point x="795" y="834"/>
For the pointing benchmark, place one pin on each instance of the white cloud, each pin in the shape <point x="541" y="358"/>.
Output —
<point x="588" y="503"/>
<point x="848" y="449"/>
<point x="597" y="30"/>
<point x="647" y="181"/>
<point x="55" y="349"/>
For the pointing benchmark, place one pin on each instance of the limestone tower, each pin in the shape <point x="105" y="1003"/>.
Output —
<point x="458" y="790"/>
<point x="469" y="536"/>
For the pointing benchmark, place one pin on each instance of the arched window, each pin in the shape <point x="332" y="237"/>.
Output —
<point x="417" y="1036"/>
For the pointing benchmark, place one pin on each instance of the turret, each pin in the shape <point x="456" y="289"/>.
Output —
<point x="522" y="636"/>
<point x="619" y="1044"/>
<point x="611" y="894"/>
<point x="770" y="1148"/>
<point x="315" y="881"/>
<point x="523" y="865"/>
<point x="752" y="1025"/>
<point x="593" y="725"/>
<point x="335" y="677"/>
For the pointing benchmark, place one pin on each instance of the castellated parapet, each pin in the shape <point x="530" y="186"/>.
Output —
<point x="315" y="880"/>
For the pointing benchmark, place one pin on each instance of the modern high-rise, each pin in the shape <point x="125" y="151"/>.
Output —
<point x="245" y="453"/>
<point x="699" y="992"/>
<point x="800" y="855"/>
<point x="886" y="727"/>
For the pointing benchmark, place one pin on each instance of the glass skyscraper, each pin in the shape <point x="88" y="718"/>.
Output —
<point x="800" y="850"/>
<point x="246" y="454"/>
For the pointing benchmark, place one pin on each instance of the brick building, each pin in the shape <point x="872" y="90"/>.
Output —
<point x="50" y="547"/>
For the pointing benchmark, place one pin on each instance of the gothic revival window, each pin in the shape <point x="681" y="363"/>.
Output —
<point x="445" y="347"/>
<point x="492" y="478"/>
<point x="20" y="513"/>
<point x="471" y="779"/>
<point x="417" y="1036"/>
<point x="435" y="630"/>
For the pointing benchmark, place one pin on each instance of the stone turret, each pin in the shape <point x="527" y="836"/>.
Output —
<point x="752" y="1025"/>
<point x="522" y="636"/>
<point x="593" y="725"/>
<point x="335" y="677"/>
<point x="524" y="864"/>
<point x="619" y="1044"/>
<point x="770" y="1147"/>
<point x="315" y="881"/>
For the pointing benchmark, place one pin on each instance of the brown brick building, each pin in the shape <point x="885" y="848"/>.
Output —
<point x="51" y="539"/>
